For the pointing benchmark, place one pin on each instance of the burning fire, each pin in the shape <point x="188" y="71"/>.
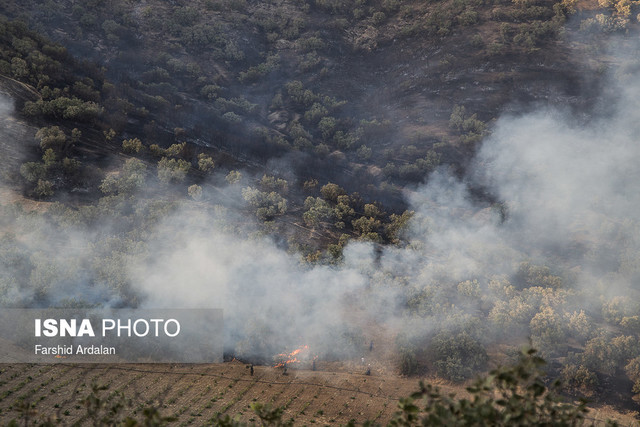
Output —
<point x="289" y="358"/>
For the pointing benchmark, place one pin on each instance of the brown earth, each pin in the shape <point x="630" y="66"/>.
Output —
<point x="198" y="394"/>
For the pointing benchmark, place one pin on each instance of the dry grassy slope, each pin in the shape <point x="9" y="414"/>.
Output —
<point x="195" y="394"/>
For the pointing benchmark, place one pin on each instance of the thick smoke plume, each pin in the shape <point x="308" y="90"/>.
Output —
<point x="569" y="195"/>
<point x="570" y="201"/>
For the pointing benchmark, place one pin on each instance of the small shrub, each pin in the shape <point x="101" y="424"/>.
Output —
<point x="51" y="137"/>
<point x="172" y="169"/>
<point x="195" y="192"/>
<point x="43" y="188"/>
<point x="131" y="146"/>
<point x="205" y="162"/>
<point x="233" y="177"/>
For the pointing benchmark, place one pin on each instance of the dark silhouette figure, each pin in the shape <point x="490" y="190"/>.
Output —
<point x="284" y="371"/>
<point x="368" y="370"/>
<point x="252" y="369"/>
<point x="371" y="346"/>
<point x="313" y="365"/>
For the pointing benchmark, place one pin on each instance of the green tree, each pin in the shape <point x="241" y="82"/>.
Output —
<point x="394" y="229"/>
<point x="266" y="204"/>
<point x="157" y="151"/>
<point x="457" y="356"/>
<point x="51" y="137"/>
<point x="70" y="166"/>
<point x="547" y="331"/>
<point x="365" y="225"/>
<point x="271" y="183"/>
<point x="130" y="178"/>
<point x="371" y="210"/>
<point x="75" y="135"/>
<point x="131" y="146"/>
<point x="579" y="378"/>
<point x="310" y="185"/>
<point x="33" y="171"/>
<point x="408" y="363"/>
<point x="195" y="192"/>
<point x="316" y="112"/>
<point x="172" y="169"/>
<point x="316" y="210"/>
<point x="109" y="134"/>
<point x="579" y="324"/>
<point x="364" y="152"/>
<point x="632" y="369"/>
<point x="210" y="91"/>
<point x="205" y="162"/>
<point x="19" y="68"/>
<point x="176" y="150"/>
<point x="233" y="177"/>
<point x="43" y="188"/>
<point x="331" y="192"/>
<point x="616" y="309"/>
<point x="49" y="158"/>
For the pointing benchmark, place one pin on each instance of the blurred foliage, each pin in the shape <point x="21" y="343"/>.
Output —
<point x="510" y="395"/>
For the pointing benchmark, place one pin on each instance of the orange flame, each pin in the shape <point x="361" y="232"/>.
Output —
<point x="290" y="358"/>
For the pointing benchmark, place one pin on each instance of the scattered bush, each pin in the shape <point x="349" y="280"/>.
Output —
<point x="172" y="169"/>
<point x="130" y="178"/>
<point x="33" y="171"/>
<point x="271" y="183"/>
<point x="51" y="137"/>
<point x="457" y="356"/>
<point x="131" y="146"/>
<point x="267" y="205"/>
<point x="547" y="331"/>
<point x="43" y="188"/>
<point x="205" y="163"/>
<point x="331" y="192"/>
<point x="233" y="177"/>
<point x="317" y="210"/>
<point x="195" y="192"/>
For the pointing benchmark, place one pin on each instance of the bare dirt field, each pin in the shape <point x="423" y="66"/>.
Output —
<point x="198" y="394"/>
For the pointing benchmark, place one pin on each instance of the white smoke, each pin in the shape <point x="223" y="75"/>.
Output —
<point x="571" y="198"/>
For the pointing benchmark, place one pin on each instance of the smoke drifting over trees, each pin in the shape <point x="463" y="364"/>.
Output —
<point x="563" y="241"/>
<point x="554" y="261"/>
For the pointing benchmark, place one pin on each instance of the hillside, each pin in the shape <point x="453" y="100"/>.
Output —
<point x="361" y="94"/>
<point x="451" y="179"/>
<point x="367" y="87"/>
